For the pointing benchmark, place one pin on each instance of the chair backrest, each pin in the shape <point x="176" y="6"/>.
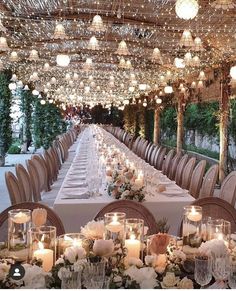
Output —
<point x="196" y="179"/>
<point x="49" y="164"/>
<point x="135" y="144"/>
<point x="160" y="159"/>
<point x="228" y="188"/>
<point x="147" y="150"/>
<point x="143" y="149"/>
<point x="13" y="187"/>
<point x="34" y="178"/>
<point x="209" y="182"/>
<point x="62" y="151"/>
<point x="167" y="162"/>
<point x="187" y="173"/>
<point x="180" y="167"/>
<point x="155" y="154"/>
<point x="24" y="182"/>
<point x="132" y="209"/>
<point x="52" y="218"/>
<point x="173" y="166"/>
<point x="218" y="208"/>
<point x="42" y="172"/>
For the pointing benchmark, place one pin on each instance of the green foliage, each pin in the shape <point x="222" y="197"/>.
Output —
<point x="14" y="149"/>
<point x="131" y="119"/>
<point x="103" y="115"/>
<point x="26" y="106"/>
<point x="47" y="124"/>
<point x="232" y="127"/>
<point x="203" y="117"/>
<point x="5" y="110"/>
<point x="168" y="121"/>
<point x="205" y="152"/>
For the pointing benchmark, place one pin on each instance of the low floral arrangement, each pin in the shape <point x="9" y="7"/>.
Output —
<point x="165" y="265"/>
<point x="122" y="184"/>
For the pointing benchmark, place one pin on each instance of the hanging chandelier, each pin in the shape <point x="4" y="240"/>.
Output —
<point x="186" y="39"/>
<point x="3" y="44"/>
<point x="46" y="67"/>
<point x="223" y="4"/>
<point x="14" y="57"/>
<point x="196" y="61"/>
<point x="202" y="76"/>
<point x="128" y="65"/>
<point x="34" y="77"/>
<point x="200" y="84"/>
<point x="59" y="32"/>
<point x="197" y="46"/>
<point x="88" y="65"/>
<point x="122" y="49"/>
<point x="188" y="59"/>
<point x="186" y="9"/>
<point x="122" y="63"/>
<point x="156" y="56"/>
<point x="93" y="44"/>
<point x="193" y="85"/>
<point x="34" y="56"/>
<point x="63" y="60"/>
<point x="53" y="81"/>
<point x="168" y="89"/>
<point x="97" y="24"/>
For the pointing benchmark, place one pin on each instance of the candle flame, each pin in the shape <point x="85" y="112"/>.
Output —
<point x="132" y="236"/>
<point x="193" y="210"/>
<point x="115" y="218"/>
<point x="40" y="245"/>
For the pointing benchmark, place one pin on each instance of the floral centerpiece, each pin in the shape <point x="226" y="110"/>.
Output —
<point x="122" y="183"/>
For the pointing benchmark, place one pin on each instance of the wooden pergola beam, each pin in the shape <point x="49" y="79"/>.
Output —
<point x="157" y="128"/>
<point x="180" y="123"/>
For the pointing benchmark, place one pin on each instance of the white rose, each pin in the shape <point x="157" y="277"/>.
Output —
<point x="103" y="247"/>
<point x="34" y="277"/>
<point x="4" y="270"/>
<point x="93" y="229"/>
<point x="74" y="253"/>
<point x="150" y="260"/>
<point x="60" y="261"/>
<point x="169" y="280"/>
<point x="185" y="283"/>
<point x="135" y="262"/>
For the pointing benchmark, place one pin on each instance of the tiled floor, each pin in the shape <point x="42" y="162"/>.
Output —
<point x="11" y="160"/>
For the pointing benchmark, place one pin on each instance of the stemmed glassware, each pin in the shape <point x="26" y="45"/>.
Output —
<point x="94" y="275"/>
<point x="220" y="267"/>
<point x="203" y="270"/>
<point x="232" y="276"/>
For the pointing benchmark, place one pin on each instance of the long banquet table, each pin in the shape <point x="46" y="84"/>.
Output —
<point x="76" y="210"/>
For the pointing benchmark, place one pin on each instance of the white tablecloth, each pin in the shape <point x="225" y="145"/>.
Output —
<point x="77" y="212"/>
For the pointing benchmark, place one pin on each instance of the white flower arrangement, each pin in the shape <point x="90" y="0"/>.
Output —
<point x="214" y="247"/>
<point x="93" y="230"/>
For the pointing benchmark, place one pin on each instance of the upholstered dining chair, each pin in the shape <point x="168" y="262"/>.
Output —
<point x="187" y="173"/>
<point x="149" y="146"/>
<point x="216" y="208"/>
<point x="34" y="178"/>
<point x="196" y="179"/>
<point x="52" y="218"/>
<point x="149" y="153"/>
<point x="50" y="168"/>
<point x="173" y="166"/>
<point x="167" y="162"/>
<point x="180" y="167"/>
<point x="209" y="182"/>
<point x="15" y="193"/>
<point x="24" y="182"/>
<point x="143" y="149"/>
<point x="155" y="150"/>
<point x="228" y="188"/>
<point x="132" y="209"/>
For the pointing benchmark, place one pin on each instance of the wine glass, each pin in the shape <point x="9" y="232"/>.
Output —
<point x="203" y="270"/>
<point x="220" y="267"/>
<point x="232" y="276"/>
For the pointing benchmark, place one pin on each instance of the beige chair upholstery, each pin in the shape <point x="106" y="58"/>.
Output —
<point x="156" y="149"/>
<point x="209" y="182"/>
<point x="13" y="187"/>
<point x="133" y="210"/>
<point x="24" y="182"/>
<point x="167" y="162"/>
<point x="196" y="179"/>
<point x="180" y="167"/>
<point x="173" y="166"/>
<point x="35" y="181"/>
<point x="187" y="173"/>
<point x="228" y="188"/>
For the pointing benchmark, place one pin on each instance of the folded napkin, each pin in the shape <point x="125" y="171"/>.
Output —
<point x="85" y="195"/>
<point x="174" y="192"/>
<point x="74" y="184"/>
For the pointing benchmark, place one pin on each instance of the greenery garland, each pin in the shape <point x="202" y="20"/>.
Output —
<point x="5" y="118"/>
<point x="47" y="124"/>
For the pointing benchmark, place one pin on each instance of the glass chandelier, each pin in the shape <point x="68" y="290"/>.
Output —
<point x="233" y="72"/>
<point x="122" y="49"/>
<point x="223" y="4"/>
<point x="97" y="24"/>
<point x="186" y="39"/>
<point x="14" y="57"/>
<point x="93" y="43"/>
<point x="88" y="65"/>
<point x="168" y="89"/>
<point x="179" y="63"/>
<point x="156" y="55"/>
<point x="2" y="27"/>
<point x="34" y="56"/>
<point x="59" y="32"/>
<point x="197" y="47"/>
<point x="186" y="9"/>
